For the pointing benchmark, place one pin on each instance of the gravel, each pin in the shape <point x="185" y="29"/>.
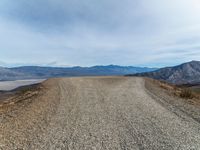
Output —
<point x="97" y="113"/>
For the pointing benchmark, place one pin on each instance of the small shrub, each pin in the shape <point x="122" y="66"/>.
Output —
<point x="186" y="93"/>
<point x="175" y="88"/>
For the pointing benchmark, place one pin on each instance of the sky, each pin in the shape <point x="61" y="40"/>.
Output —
<point x="152" y="33"/>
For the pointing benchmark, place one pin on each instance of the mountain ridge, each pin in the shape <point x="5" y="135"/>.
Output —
<point x="186" y="73"/>
<point x="38" y="72"/>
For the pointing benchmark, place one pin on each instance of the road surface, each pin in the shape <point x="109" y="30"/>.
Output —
<point x="100" y="113"/>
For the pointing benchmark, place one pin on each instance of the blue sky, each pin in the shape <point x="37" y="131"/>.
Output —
<point x="151" y="33"/>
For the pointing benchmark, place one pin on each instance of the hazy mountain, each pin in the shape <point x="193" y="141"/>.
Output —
<point x="30" y="72"/>
<point x="187" y="73"/>
<point x="8" y="74"/>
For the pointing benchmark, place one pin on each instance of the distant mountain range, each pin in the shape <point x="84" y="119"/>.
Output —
<point x="36" y="72"/>
<point x="187" y="73"/>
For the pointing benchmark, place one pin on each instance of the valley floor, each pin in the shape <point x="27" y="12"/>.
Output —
<point x="11" y="85"/>
<point x="98" y="113"/>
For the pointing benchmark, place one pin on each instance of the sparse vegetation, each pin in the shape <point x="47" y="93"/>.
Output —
<point x="25" y="89"/>
<point x="183" y="91"/>
<point x="186" y="93"/>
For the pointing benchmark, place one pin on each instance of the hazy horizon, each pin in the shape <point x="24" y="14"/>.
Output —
<point x="6" y="65"/>
<point x="62" y="33"/>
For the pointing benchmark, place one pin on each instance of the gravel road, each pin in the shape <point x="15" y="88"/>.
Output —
<point x="97" y="113"/>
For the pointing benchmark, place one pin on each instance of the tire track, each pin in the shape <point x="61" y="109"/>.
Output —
<point x="100" y="113"/>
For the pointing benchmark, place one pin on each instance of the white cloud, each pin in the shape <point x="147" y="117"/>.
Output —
<point x="132" y="32"/>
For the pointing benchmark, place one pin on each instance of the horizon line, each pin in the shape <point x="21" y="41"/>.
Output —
<point x="7" y="65"/>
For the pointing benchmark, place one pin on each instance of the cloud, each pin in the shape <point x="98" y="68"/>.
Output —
<point x="132" y="32"/>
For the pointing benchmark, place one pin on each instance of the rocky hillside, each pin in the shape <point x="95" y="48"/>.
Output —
<point x="187" y="73"/>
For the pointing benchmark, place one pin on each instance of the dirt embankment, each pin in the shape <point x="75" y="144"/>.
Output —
<point x="169" y="95"/>
<point x="25" y="112"/>
<point x="99" y="113"/>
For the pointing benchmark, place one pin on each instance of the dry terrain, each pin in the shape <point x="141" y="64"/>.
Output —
<point x="98" y="113"/>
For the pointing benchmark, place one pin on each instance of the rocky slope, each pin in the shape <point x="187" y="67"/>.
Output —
<point x="187" y="73"/>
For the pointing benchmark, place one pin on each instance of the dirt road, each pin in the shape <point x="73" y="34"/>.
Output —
<point x="96" y="113"/>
